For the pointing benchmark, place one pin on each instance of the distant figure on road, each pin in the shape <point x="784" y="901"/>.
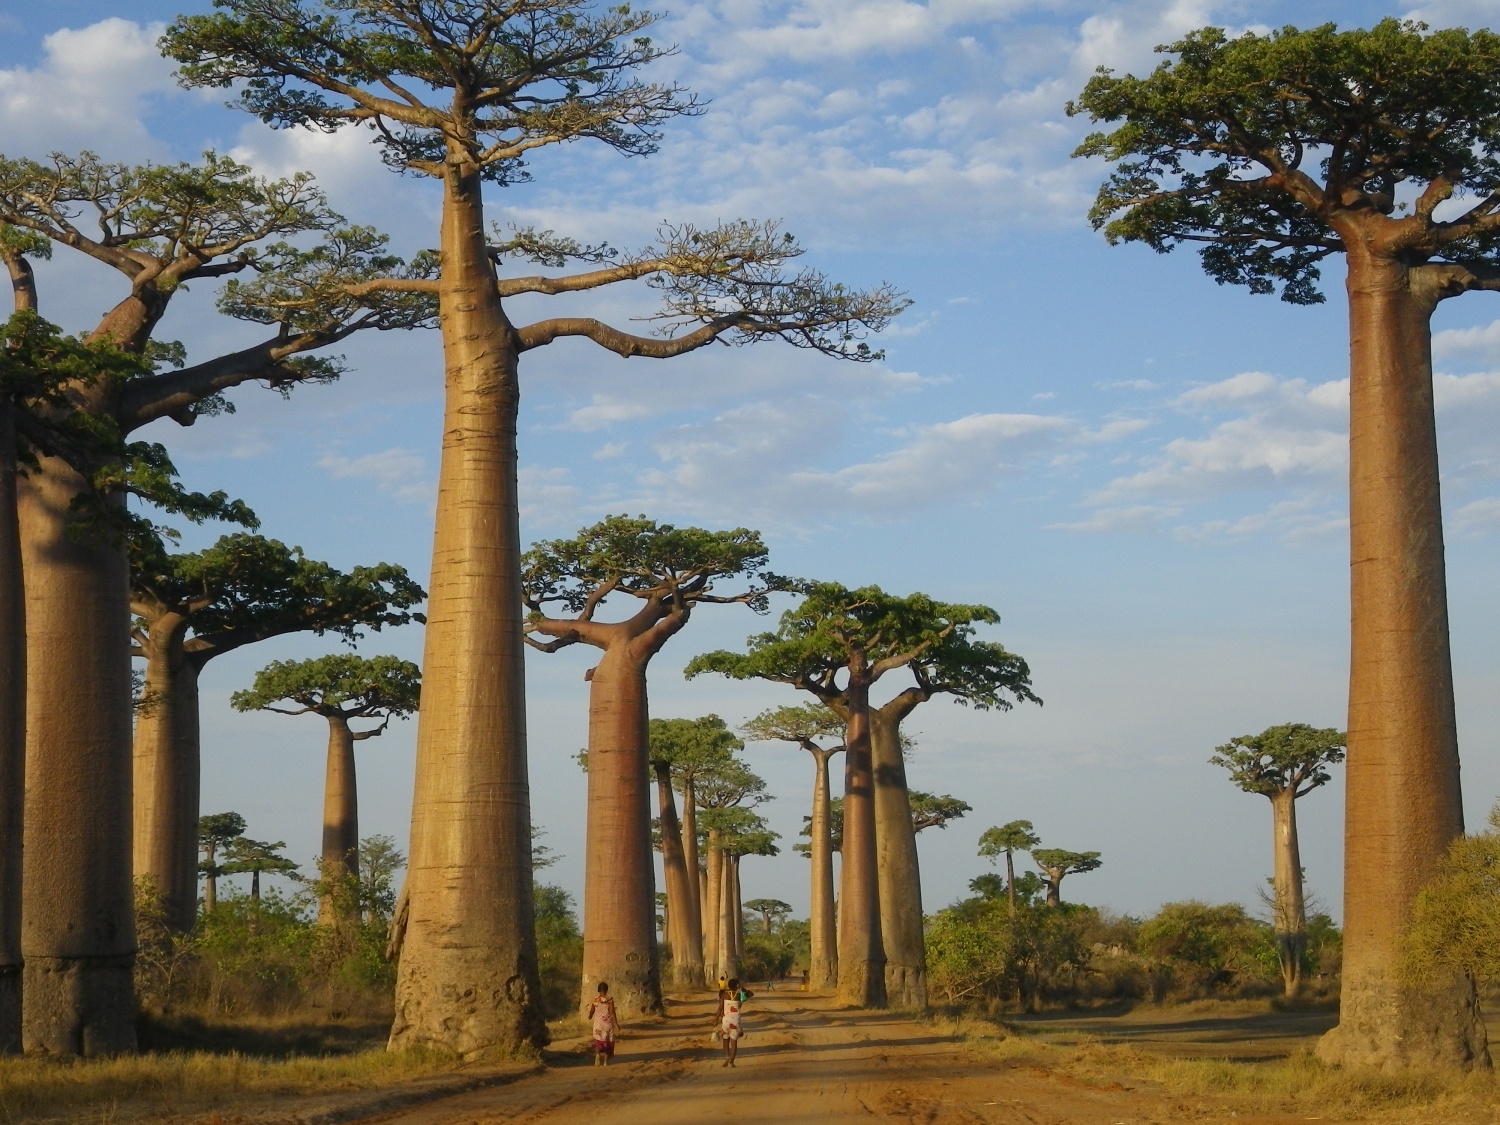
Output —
<point x="602" y="1013"/>
<point x="804" y="980"/>
<point x="727" y="1018"/>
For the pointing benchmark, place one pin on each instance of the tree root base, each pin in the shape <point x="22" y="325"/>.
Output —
<point x="73" y="1006"/>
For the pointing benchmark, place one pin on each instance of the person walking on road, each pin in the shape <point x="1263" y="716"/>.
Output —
<point x="727" y="1018"/>
<point x="602" y="1013"/>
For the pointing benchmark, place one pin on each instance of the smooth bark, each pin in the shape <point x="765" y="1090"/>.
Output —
<point x="1403" y="803"/>
<point x="340" y="858"/>
<point x="467" y="978"/>
<point x="619" y="887"/>
<point x="679" y="927"/>
<point x="861" y="953"/>
<point x="713" y="899"/>
<point x="728" y="963"/>
<point x="897" y="863"/>
<point x="696" y="874"/>
<point x="736" y="911"/>
<point x="823" y="957"/>
<point x="1290" y="920"/>
<point x="77" y="921"/>
<point x="166" y="771"/>
<point x="12" y="735"/>
<point x="1010" y="881"/>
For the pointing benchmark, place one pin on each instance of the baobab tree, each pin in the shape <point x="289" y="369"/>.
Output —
<point x="244" y="856"/>
<point x="668" y="571"/>
<point x="836" y="644"/>
<point x="341" y="687"/>
<point x="462" y="93"/>
<point x="1284" y="763"/>
<point x="752" y="836"/>
<point x="1006" y="840"/>
<point x="1275" y="153"/>
<point x="193" y="607"/>
<point x="682" y="751"/>
<point x="1056" y="864"/>
<point x="726" y="793"/>
<point x="932" y="810"/>
<point x="771" y="911"/>
<point x="804" y="726"/>
<point x="162" y="228"/>
<point x="216" y="831"/>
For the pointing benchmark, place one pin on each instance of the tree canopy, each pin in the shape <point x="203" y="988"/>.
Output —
<point x="803" y="725"/>
<point x="931" y="810"/>
<point x="1271" y="151"/>
<point x="1016" y="836"/>
<point x="1292" y="756"/>
<point x="693" y="748"/>
<point x="340" y="685"/>
<point x="1058" y="862"/>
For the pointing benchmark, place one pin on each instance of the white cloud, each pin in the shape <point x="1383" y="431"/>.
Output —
<point x="400" y="473"/>
<point x="1481" y="342"/>
<point x="546" y="495"/>
<point x="1481" y="515"/>
<point x="605" y="411"/>
<point x="90" y="90"/>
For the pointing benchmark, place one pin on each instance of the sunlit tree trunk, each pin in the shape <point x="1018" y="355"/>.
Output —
<point x="736" y="911"/>
<point x="1403" y="804"/>
<point x="896" y="861"/>
<point x="619" y="890"/>
<point x="12" y="735"/>
<point x="728" y="964"/>
<point x="696" y="874"/>
<point x="340" y="858"/>
<point x="166" y="775"/>
<point x="713" y="902"/>
<point x="823" y="958"/>
<point x="678" y="926"/>
<point x="861" y="955"/>
<point x="77" y="918"/>
<point x="1290" y="921"/>
<point x="467" y="978"/>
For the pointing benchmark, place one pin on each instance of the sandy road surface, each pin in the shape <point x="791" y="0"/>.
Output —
<point x="805" y="1063"/>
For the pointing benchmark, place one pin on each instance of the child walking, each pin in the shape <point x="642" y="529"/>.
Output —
<point x="602" y="1013"/>
<point x="727" y="1019"/>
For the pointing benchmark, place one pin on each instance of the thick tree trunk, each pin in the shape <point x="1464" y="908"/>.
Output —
<point x="340" y="858"/>
<point x="77" y="919"/>
<point x="713" y="902"/>
<point x="467" y="978"/>
<point x="210" y="882"/>
<point x="1403" y="805"/>
<point x="736" y="911"/>
<point x="1010" y="880"/>
<point x="165" y="772"/>
<point x="823" y="957"/>
<point x="1290" y="921"/>
<point x="1054" y="888"/>
<point x="619" y="887"/>
<point x="899" y="871"/>
<point x="12" y="735"/>
<point x="861" y="955"/>
<point x="695" y="871"/>
<point x="678" y="927"/>
<point x="728" y="963"/>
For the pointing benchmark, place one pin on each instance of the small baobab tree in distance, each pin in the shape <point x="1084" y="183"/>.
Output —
<point x="1284" y="763"/>
<point x="933" y="810"/>
<point x="341" y="687"/>
<point x="805" y="726"/>
<point x="1056" y="864"/>
<point x="216" y="832"/>
<point x="771" y="911"/>
<point x="1006" y="840"/>
<point x="244" y="856"/>
<point x="664" y="573"/>
<point x="480" y="87"/>
<point x="1275" y="153"/>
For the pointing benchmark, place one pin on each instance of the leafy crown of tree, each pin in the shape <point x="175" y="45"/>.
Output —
<point x="1060" y="860"/>
<point x="1292" y="756"/>
<point x="931" y="810"/>
<point x="340" y="684"/>
<point x="1269" y="150"/>
<point x="1016" y="836"/>
<point x="693" y="747"/>
<point x="803" y="725"/>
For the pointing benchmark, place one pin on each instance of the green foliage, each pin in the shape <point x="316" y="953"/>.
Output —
<point x="991" y="885"/>
<point x="1060" y="862"/>
<point x="1017" y="836"/>
<point x="803" y="725"/>
<point x="340" y="684"/>
<point x="982" y="953"/>
<point x="931" y="810"/>
<point x="1216" y="944"/>
<point x="741" y="831"/>
<point x="1291" y="756"/>
<point x="1455" y="922"/>
<point x="559" y="944"/>
<point x="215" y="831"/>
<point x="835" y="828"/>
<point x="244" y="856"/>
<point x="771" y="911"/>
<point x="643" y="559"/>
<point x="1254" y="147"/>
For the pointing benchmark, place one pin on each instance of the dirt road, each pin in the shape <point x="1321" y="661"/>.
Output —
<point x="803" y="1062"/>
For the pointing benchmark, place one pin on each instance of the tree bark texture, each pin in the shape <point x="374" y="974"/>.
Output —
<point x="823" y="957"/>
<point x="340" y="858"/>
<point x="166" y="772"/>
<point x="897" y="864"/>
<point x="1403" y="805"/>
<point x="77" y="916"/>
<point x="12" y="735"/>
<point x="728" y="964"/>
<point x="696" y="874"/>
<point x="737" y="911"/>
<point x="861" y="953"/>
<point x="679" y="927"/>
<point x="619" y="887"/>
<point x="467" y="978"/>
<point x="1290" y="921"/>
<point x="1010" y="881"/>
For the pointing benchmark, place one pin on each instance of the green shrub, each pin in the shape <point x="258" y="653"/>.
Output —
<point x="559" y="945"/>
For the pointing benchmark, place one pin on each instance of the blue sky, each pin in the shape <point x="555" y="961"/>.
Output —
<point x="1141" y="470"/>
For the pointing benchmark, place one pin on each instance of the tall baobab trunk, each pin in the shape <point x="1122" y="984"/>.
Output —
<point x="1403" y="804"/>
<point x="1010" y="880"/>
<point x="728" y="963"/>
<point x="467" y="978"/>
<point x="166" y="775"/>
<point x="897" y="864"/>
<point x="679" y="927"/>
<point x="12" y="735"/>
<point x="823" y="958"/>
<point x="713" y="904"/>
<point x="736" y="911"/>
<point x="77" y="921"/>
<point x="1290" y="909"/>
<point x="696" y="874"/>
<point x="619" y="887"/>
<point x="340" y="858"/>
<point x="861" y="954"/>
